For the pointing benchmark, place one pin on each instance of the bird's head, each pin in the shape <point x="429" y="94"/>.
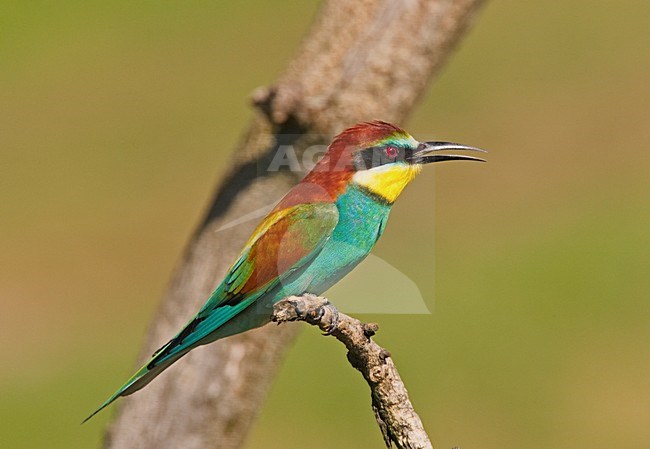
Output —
<point x="379" y="157"/>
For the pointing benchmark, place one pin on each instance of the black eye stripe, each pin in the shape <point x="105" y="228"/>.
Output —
<point x="379" y="155"/>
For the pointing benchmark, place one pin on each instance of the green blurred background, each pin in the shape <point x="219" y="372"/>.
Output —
<point x="116" y="121"/>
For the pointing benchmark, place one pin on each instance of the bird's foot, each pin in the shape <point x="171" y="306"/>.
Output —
<point x="328" y="318"/>
<point x="312" y="309"/>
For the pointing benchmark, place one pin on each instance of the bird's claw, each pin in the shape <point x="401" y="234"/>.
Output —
<point x="298" y="310"/>
<point x="334" y="322"/>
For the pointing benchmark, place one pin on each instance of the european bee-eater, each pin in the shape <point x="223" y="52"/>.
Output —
<point x="319" y="231"/>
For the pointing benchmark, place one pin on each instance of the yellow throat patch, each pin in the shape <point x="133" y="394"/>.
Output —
<point x="387" y="181"/>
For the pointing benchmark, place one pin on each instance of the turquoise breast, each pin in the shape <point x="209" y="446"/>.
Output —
<point x="362" y="219"/>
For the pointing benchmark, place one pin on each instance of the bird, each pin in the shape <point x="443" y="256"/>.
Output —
<point x="317" y="233"/>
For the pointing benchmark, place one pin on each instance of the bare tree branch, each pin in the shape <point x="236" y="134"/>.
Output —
<point x="398" y="421"/>
<point x="362" y="60"/>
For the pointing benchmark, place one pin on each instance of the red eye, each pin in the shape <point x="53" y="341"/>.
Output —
<point x="391" y="152"/>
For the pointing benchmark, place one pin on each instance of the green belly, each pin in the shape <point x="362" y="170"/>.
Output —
<point x="361" y="223"/>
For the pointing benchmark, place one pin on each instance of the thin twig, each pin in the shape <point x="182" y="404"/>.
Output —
<point x="398" y="421"/>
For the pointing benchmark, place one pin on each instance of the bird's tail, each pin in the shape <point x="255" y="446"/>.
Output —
<point x="200" y="330"/>
<point x="141" y="378"/>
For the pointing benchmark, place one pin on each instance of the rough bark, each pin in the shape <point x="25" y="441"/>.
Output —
<point x="395" y="415"/>
<point x="362" y="60"/>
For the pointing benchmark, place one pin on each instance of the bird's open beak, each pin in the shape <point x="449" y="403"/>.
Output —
<point x="422" y="155"/>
